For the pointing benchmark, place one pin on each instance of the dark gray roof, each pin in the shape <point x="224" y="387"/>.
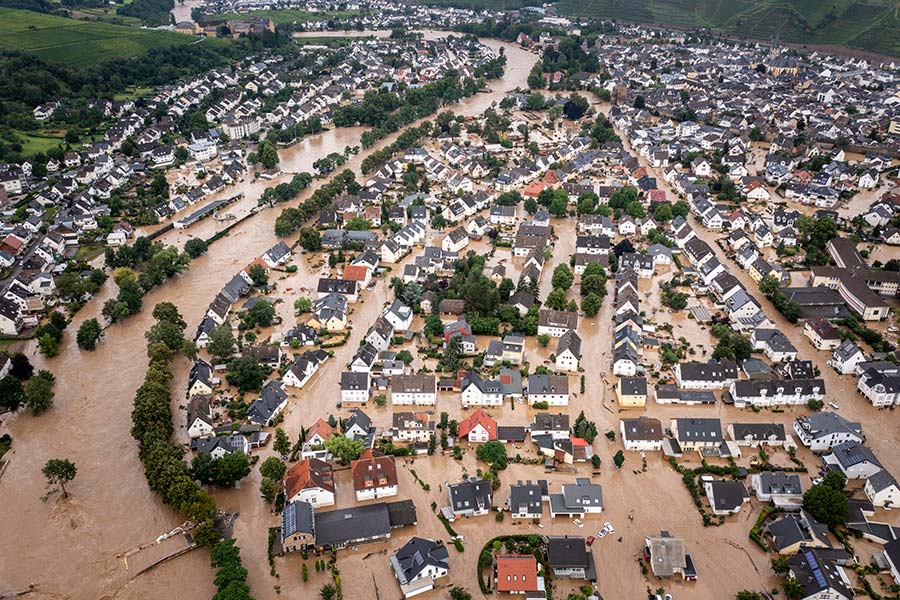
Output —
<point x="849" y="454"/>
<point x="297" y="517"/>
<point x="347" y="525"/>
<point x="525" y="497"/>
<point x="470" y="494"/>
<point x="417" y="554"/>
<point x="816" y="572"/>
<point x="569" y="552"/>
<point x="728" y="494"/>
<point x="779" y="482"/>
<point x="263" y="408"/>
<point x="704" y="430"/>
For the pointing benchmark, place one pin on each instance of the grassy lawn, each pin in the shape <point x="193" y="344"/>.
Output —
<point x="33" y="143"/>
<point x="88" y="252"/>
<point x="77" y="43"/>
<point x="132" y="93"/>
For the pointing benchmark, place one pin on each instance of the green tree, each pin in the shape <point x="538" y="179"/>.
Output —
<point x="591" y="305"/>
<point x="343" y="449"/>
<point x="246" y="374"/>
<point x="619" y="459"/>
<point x="282" y="444"/>
<point x="12" y="393"/>
<point x="531" y="206"/>
<point x="593" y="284"/>
<point x="262" y="313"/>
<point x="59" y="472"/>
<point x="781" y="564"/>
<point x="267" y="154"/>
<point x="269" y="489"/>
<point x="273" y="468"/>
<point x="231" y="468"/>
<point x="49" y="345"/>
<point x="556" y="299"/>
<point x="221" y="342"/>
<point x="328" y="591"/>
<point x="543" y="340"/>
<point x="492" y="453"/>
<point x="585" y="429"/>
<point x="827" y="501"/>
<point x="89" y="333"/>
<point x="562" y="277"/>
<point x="663" y="212"/>
<point x="768" y="285"/>
<point x="558" y="206"/>
<point x="196" y="247"/>
<point x="303" y="305"/>
<point x="792" y="589"/>
<point x="458" y="593"/>
<point x="258" y="275"/>
<point x="39" y="392"/>
<point x="310" y="239"/>
<point x="165" y="332"/>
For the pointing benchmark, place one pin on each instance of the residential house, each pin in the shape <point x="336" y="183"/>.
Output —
<point x="824" y="430"/>
<point x="471" y="497"/>
<point x="418" y="563"/>
<point x="666" y="556"/>
<point x="312" y="481"/>
<point x="642" y="434"/>
<point x="478" y="427"/>
<point x="374" y="476"/>
<point x="418" y="388"/>
<point x="726" y="497"/>
<point x="781" y="489"/>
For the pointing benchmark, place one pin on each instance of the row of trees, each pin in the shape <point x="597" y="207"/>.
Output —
<point x="416" y="104"/>
<point x="166" y="472"/>
<point x="286" y="191"/>
<point x="292" y="218"/>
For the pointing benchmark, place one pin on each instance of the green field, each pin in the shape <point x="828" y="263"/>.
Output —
<point x="289" y="16"/>
<point x="77" y="43"/>
<point x="868" y="25"/>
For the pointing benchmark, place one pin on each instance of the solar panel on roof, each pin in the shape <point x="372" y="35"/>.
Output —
<point x="816" y="570"/>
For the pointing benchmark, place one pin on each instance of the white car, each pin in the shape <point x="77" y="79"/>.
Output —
<point x="833" y="405"/>
<point x="602" y="532"/>
<point x="578" y="523"/>
<point x="608" y="527"/>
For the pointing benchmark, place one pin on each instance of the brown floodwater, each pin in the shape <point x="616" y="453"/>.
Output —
<point x="69" y="549"/>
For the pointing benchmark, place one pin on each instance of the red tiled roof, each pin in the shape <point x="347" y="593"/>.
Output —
<point x="309" y="473"/>
<point x="479" y="417"/>
<point x="516" y="573"/>
<point x="371" y="471"/>
<point x="355" y="272"/>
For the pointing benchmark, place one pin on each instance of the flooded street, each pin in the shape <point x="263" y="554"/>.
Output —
<point x="68" y="550"/>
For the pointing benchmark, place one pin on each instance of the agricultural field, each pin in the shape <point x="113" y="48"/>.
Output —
<point x="868" y="25"/>
<point x="77" y="43"/>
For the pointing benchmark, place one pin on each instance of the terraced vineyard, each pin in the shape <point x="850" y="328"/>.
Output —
<point x="872" y="25"/>
<point x="77" y="43"/>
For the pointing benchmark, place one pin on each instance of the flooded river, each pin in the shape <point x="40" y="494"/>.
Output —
<point x="68" y="550"/>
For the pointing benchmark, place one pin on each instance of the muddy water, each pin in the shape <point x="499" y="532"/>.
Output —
<point x="300" y="156"/>
<point x="68" y="550"/>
